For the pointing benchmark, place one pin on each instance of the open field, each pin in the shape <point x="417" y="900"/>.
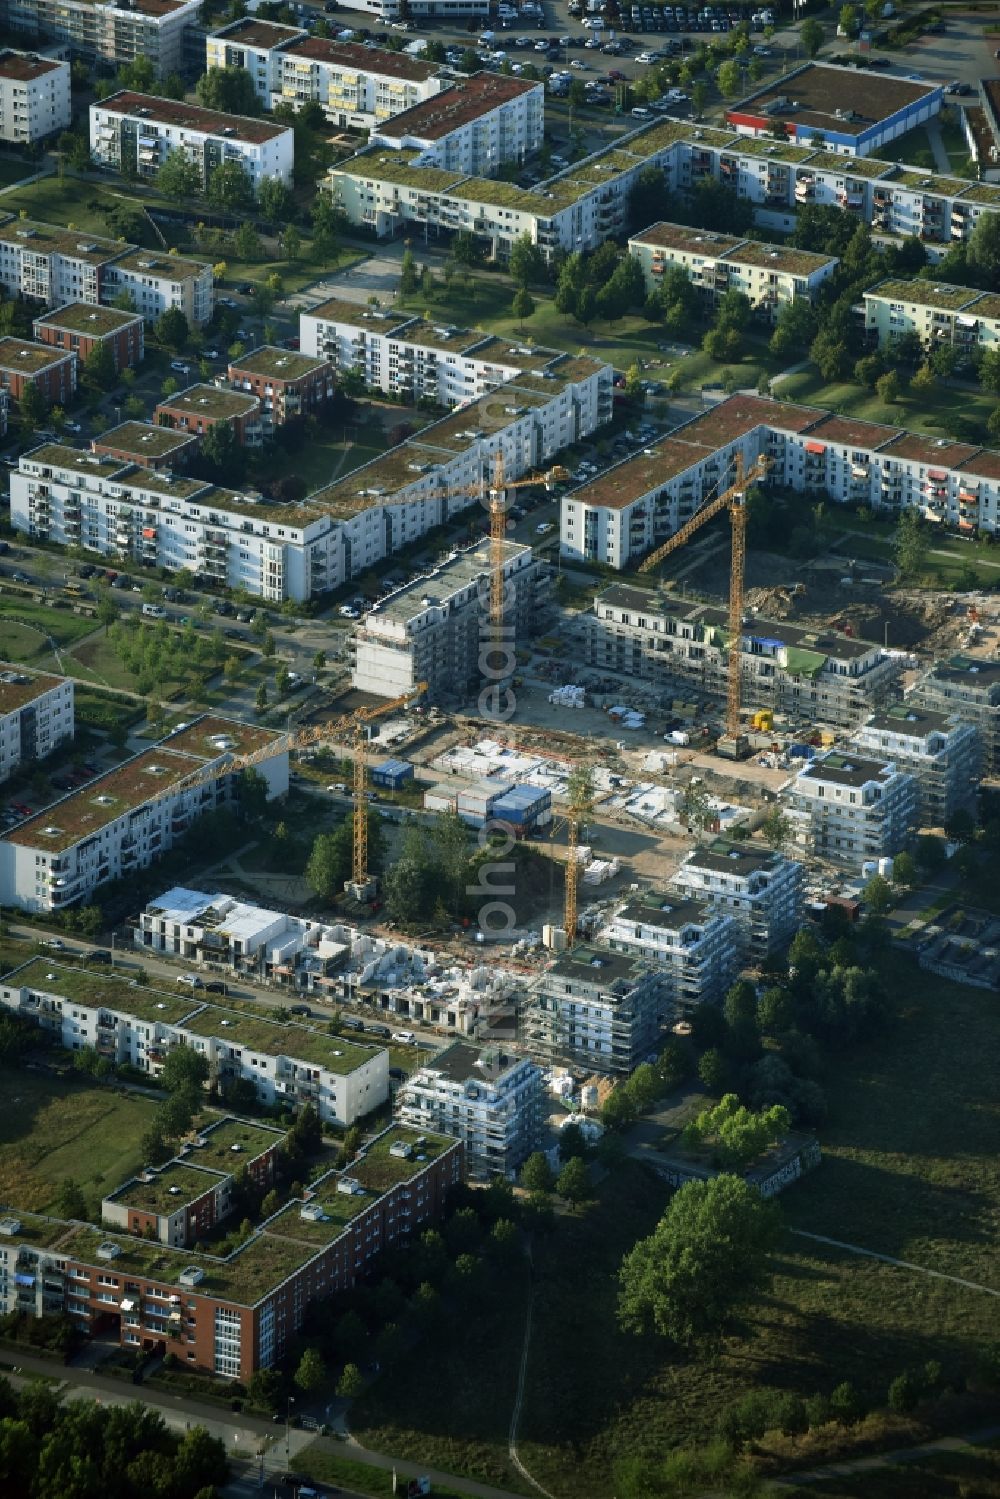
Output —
<point x="27" y="631"/>
<point x="944" y="1475"/>
<point x="13" y="169"/>
<point x="934" y="414"/>
<point x="51" y="1129"/>
<point x="328" y="1467"/>
<point x="909" y="1171"/>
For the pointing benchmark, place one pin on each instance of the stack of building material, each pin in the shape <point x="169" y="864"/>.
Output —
<point x="599" y="870"/>
<point x="568" y="696"/>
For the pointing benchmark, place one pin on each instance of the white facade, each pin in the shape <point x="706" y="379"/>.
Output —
<point x="477" y="126"/>
<point x="125" y="819"/>
<point x="848" y="809"/>
<point x="36" y="716"/>
<point x="155" y="283"/>
<point x="108" y="31"/>
<point x="941" y="751"/>
<point x="136" y="133"/>
<point x="694" y="947"/>
<point x="595" y="1008"/>
<point x="937" y="313"/>
<point x="967" y="687"/>
<point x="760" y="889"/>
<point x="34" y="97"/>
<point x="489" y="1100"/>
<point x="137" y="1025"/>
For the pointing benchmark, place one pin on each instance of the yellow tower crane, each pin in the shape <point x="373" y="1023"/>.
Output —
<point x="734" y="743"/>
<point x="499" y="488"/>
<point x="581" y="801"/>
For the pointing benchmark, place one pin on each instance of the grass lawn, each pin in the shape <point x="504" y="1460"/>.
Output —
<point x="943" y="1475"/>
<point x="98" y="661"/>
<point x="332" y="454"/>
<point x="27" y="631"/>
<point x="914" y="410"/>
<point x="323" y="1466"/>
<point x="51" y="1129"/>
<point x="84" y="205"/>
<point x="14" y="170"/>
<point x="950" y="558"/>
<point x="914" y="148"/>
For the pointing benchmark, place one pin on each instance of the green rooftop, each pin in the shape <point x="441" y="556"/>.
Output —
<point x="86" y="318"/>
<point x="100" y="990"/>
<point x="783" y="152"/>
<point x="20" y="356"/>
<point x="380" y="164"/>
<point x="269" y="1038"/>
<point x="34" y="1229"/>
<point x="276" y="363"/>
<point x="924" y="293"/>
<point x="496" y="194"/>
<point x="219" y="1152"/>
<point x="210" y="401"/>
<point x="61" y="455"/>
<point x="338" y="1209"/>
<point x="980" y="192"/>
<point x="850" y="166"/>
<point x="803" y="663"/>
<point x="171" y="1189"/>
<point x="142" y="441"/>
<point x="379" y="1169"/>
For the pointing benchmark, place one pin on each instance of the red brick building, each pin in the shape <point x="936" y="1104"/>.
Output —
<point x="286" y="383"/>
<point x="150" y="446"/>
<point x="81" y="328"/>
<point x="199" y="407"/>
<point x="23" y="363"/>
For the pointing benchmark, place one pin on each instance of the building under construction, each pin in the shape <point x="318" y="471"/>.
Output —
<point x="757" y="886"/>
<point x="594" y="1008"/>
<point x="694" y="946"/>
<point x="437" y="629"/>
<point x="968" y="686"/>
<point x="940" y="750"/>
<point x="819" y="676"/>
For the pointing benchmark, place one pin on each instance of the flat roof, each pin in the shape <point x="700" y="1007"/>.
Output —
<point x="271" y="1038"/>
<point x="452" y="576"/>
<point x="742" y="859"/>
<point x="357" y="315"/>
<point x="142" y="440"/>
<point x="784" y="258"/>
<point x="969" y="669"/>
<point x="924" y="293"/>
<point x="907" y="719"/>
<point x="103" y="800"/>
<point x="383" y="164"/>
<point x="22" y="67"/>
<point x="164" y="267"/>
<point x="189" y="117"/>
<point x="934" y="451"/>
<point x="109" y="991"/>
<point x="18" y="686"/>
<point x="597" y="965"/>
<point x="52" y="239"/>
<point x="378" y="60"/>
<point x="668" y="236"/>
<point x="845" y="769"/>
<point x="209" y="400"/>
<point x="834" y="98"/>
<point x="668" y="911"/>
<point x="466" y="100"/>
<point x="634" y="477"/>
<point x="84" y="317"/>
<point x="278" y="364"/>
<point x="211" y="736"/>
<point x="22" y="357"/>
<point x="229" y="1143"/>
<point x="461" y="1062"/>
<point x="740" y="414"/>
<point x="171" y="1188"/>
<point x="249" y="32"/>
<point x="378" y="1169"/>
<point x="851" y="431"/>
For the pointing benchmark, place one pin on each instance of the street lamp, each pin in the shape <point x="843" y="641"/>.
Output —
<point x="288" y="1421"/>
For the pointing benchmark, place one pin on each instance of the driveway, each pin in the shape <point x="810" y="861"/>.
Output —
<point x="376" y="277"/>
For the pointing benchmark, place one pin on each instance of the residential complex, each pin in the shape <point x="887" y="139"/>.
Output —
<point x="432" y="630"/>
<point x="693" y="946"/>
<point x="770" y="275"/>
<point x="595" y="1008"/>
<point x="34" y="97"/>
<point x="136" y="133"/>
<point x="52" y="372"/>
<point x="936" y="312"/>
<point x="36" y="716"/>
<point x="357" y="86"/>
<point x="851" y="810"/>
<point x="228" y="1316"/>
<point x="142" y="443"/>
<point x="810" y="675"/>
<point x="838" y="107"/>
<point x="286" y="384"/>
<point x="941" y="751"/>
<point x="477" y="126"/>
<point x="969" y="688"/>
<point x="758" y="887"/>
<point x="586" y="203"/>
<point x="621" y="515"/>
<point x="126" y="818"/>
<point x="200" y="407"/>
<point x="491" y="1100"/>
<point x="108" y="31"/>
<point x="130" y="1023"/>
<point x="61" y="267"/>
<point x="80" y="328"/>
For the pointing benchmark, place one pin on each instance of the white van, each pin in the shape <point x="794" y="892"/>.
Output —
<point x="403" y="1038"/>
<point x="640" y="113"/>
<point x="154" y="611"/>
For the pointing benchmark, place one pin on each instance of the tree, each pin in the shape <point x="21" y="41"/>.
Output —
<point x="903" y="1394"/>
<point x="537" y="1174"/>
<point x="904" y="869"/>
<point x="523" y="305"/>
<point x="574" y="1182"/>
<point x="325" y="872"/>
<point x="408" y="279"/>
<point x="910" y="545"/>
<point x="230" y="90"/>
<point x="247" y="243"/>
<point x="70" y="1201"/>
<point x="99" y="372"/>
<point x="230" y="187"/>
<point x="172" y="328"/>
<point x="730" y="79"/>
<point x="776" y="829"/>
<point x="888" y="387"/>
<point x="526" y="262"/>
<point x="706" y="1258"/>
<point x="291" y="243"/>
<point x="178" y="178"/>
<point x="877" y="895"/>
<point x="184" y="1070"/>
<point x="848" y="19"/>
<point x="699" y="96"/>
<point x="846" y="1405"/>
<point x="275" y="200"/>
<point x="261" y="701"/>
<point x="221" y="452"/>
<point x="812" y="36"/>
<point x="310" y="1376"/>
<point x="983" y="249"/>
<point x="350" y="1384"/>
<point x="794" y="330"/>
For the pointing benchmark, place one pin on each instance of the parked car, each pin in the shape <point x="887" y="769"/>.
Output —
<point x="299" y="1010"/>
<point x="216" y="986"/>
<point x="98" y="955"/>
<point x="179" y="367"/>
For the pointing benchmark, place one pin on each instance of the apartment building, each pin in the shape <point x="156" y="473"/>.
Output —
<point x="159" y="449"/>
<point x="769" y="275"/>
<point x="595" y="1008"/>
<point x="221" y="932"/>
<point x="851" y="809"/>
<point x="433" y="629"/>
<point x="180" y="1202"/>
<point x="34" y="97"/>
<point x="693" y="945"/>
<point x="477" y="126"/>
<point x="127" y="817"/>
<point x="36" y="716"/>
<point x="285" y="384"/>
<point x="619" y="516"/>
<point x="967" y="687"/>
<point x="80" y="328"/>
<point x="52" y="372"/>
<point x="109" y="31"/>
<point x="231" y="1315"/>
<point x="838" y="107"/>
<point x="491" y="1100"/>
<point x="154" y="283"/>
<point x="758" y="887"/>
<point x="809" y="675"/>
<point x="936" y="312"/>
<point x="200" y="407"/>
<point x="255" y="46"/>
<point x="136" y="133"/>
<point x="941" y="751"/>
